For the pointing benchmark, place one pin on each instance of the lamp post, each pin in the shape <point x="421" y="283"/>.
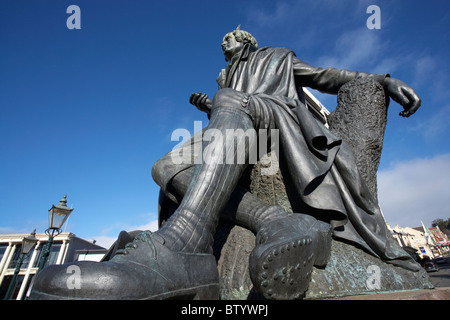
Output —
<point x="57" y="215"/>
<point x="28" y="244"/>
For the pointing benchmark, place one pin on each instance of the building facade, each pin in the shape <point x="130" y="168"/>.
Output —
<point x="66" y="247"/>
<point x="440" y="240"/>
<point x="413" y="241"/>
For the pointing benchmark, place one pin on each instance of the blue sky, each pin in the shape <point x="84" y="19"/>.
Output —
<point x="87" y="112"/>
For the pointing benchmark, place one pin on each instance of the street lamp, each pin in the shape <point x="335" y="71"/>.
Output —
<point x="28" y="244"/>
<point x="57" y="215"/>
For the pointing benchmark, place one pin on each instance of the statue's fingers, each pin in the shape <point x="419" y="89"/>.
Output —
<point x="196" y="99"/>
<point x="414" y="101"/>
<point x="191" y="98"/>
<point x="203" y="98"/>
<point x="410" y="102"/>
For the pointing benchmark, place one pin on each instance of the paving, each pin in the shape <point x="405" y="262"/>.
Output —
<point x="426" y="294"/>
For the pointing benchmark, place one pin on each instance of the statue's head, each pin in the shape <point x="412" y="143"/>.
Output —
<point x="244" y="36"/>
<point x="235" y="40"/>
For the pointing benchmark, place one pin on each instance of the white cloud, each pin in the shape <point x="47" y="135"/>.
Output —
<point x="414" y="191"/>
<point x="386" y="65"/>
<point x="354" y="49"/>
<point x="151" y="225"/>
<point x="434" y="125"/>
<point x="424" y="68"/>
<point x="103" y="241"/>
<point x="106" y="241"/>
<point x="277" y="15"/>
<point x="10" y="230"/>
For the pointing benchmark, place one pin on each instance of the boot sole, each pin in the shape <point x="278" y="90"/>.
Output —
<point x="283" y="271"/>
<point x="205" y="292"/>
<point x="202" y="292"/>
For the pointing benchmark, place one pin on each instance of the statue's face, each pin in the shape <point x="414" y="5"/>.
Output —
<point x="230" y="46"/>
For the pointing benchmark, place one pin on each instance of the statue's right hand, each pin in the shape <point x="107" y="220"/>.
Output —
<point x="201" y="101"/>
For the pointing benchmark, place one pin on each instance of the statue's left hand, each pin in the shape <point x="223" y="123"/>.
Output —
<point x="403" y="94"/>
<point x="201" y="101"/>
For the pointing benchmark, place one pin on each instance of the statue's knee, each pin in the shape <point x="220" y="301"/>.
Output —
<point x="158" y="170"/>
<point x="227" y="98"/>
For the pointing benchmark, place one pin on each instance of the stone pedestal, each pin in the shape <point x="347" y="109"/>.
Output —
<point x="352" y="271"/>
<point x="360" y="119"/>
<point x="435" y="294"/>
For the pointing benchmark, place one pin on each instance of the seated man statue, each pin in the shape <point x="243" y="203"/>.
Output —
<point x="261" y="90"/>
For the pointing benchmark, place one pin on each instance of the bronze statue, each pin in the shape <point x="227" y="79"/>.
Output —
<point x="261" y="90"/>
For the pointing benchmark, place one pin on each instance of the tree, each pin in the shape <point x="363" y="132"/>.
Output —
<point x="444" y="225"/>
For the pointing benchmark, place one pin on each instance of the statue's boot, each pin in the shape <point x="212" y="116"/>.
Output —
<point x="286" y="250"/>
<point x="284" y="242"/>
<point x="176" y="260"/>
<point x="146" y="269"/>
<point x="122" y="240"/>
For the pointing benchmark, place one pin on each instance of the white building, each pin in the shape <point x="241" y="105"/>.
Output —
<point x="316" y="107"/>
<point x="414" y="239"/>
<point x="66" y="247"/>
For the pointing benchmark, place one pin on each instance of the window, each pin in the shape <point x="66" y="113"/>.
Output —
<point x="3" y="247"/>
<point x="52" y="257"/>
<point x="16" y="258"/>
<point x="54" y="252"/>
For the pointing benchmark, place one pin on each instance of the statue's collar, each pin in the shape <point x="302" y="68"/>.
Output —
<point x="243" y="53"/>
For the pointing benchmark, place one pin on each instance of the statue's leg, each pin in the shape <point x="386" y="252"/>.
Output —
<point x="192" y="226"/>
<point x="284" y="242"/>
<point x="176" y="260"/>
<point x="287" y="245"/>
<point x="243" y="207"/>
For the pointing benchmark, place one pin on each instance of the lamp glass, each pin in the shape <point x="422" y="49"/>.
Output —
<point x="58" y="214"/>
<point x="57" y="217"/>
<point x="28" y="243"/>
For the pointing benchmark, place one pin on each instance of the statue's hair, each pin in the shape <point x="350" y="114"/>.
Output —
<point x="244" y="36"/>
